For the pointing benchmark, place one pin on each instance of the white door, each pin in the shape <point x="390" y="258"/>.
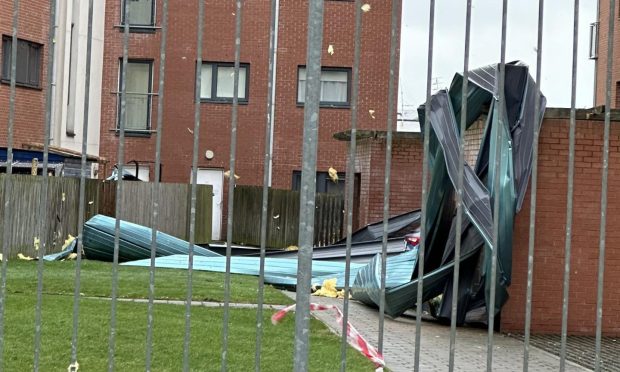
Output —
<point x="215" y="178"/>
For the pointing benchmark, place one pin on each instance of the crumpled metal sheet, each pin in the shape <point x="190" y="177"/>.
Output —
<point x="134" y="241"/>
<point x="515" y="129"/>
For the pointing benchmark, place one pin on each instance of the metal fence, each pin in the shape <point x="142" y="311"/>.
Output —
<point x="308" y="196"/>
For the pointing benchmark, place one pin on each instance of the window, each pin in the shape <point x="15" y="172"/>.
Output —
<point x="141" y="12"/>
<point x="324" y="184"/>
<point x="28" y="68"/>
<point x="334" y="86"/>
<point x="138" y="92"/>
<point x="218" y="79"/>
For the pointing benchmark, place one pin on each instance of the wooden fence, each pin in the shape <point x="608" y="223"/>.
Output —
<point x="60" y="215"/>
<point x="283" y="212"/>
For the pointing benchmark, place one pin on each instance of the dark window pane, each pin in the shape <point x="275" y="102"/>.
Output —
<point x="28" y="62"/>
<point x="140" y="12"/>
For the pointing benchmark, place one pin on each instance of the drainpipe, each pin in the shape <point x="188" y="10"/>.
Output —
<point x="273" y="94"/>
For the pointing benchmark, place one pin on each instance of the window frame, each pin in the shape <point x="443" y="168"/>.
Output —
<point x="137" y="27"/>
<point x="149" y="94"/>
<point x="7" y="57"/>
<point x="328" y="104"/>
<point x="214" y="73"/>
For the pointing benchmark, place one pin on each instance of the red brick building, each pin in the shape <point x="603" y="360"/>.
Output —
<point x="218" y="57"/>
<point x="31" y="72"/>
<point x="599" y="53"/>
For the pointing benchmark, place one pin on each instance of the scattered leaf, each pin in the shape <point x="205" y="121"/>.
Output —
<point x="333" y="174"/>
<point x="372" y="113"/>
<point x="24" y="258"/>
<point x="227" y="175"/>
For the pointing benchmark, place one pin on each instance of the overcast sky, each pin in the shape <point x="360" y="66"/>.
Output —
<point x="485" y="45"/>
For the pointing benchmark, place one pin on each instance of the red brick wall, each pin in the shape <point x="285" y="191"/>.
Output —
<point x="550" y="235"/>
<point x="29" y="103"/>
<point x="406" y="176"/>
<point x="215" y="118"/>
<point x="601" y="64"/>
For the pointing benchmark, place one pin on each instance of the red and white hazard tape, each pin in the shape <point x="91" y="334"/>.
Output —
<point x="354" y="338"/>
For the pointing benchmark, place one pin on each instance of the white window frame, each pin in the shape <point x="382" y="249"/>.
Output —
<point x="347" y="103"/>
<point x="214" y="77"/>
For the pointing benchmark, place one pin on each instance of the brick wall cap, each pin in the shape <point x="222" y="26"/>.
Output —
<point x="595" y="113"/>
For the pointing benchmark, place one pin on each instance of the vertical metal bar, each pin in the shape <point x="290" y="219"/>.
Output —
<point x="569" y="196"/>
<point x="119" y="185"/>
<point x="496" y="186"/>
<point x="601" y="247"/>
<point x="231" y="182"/>
<point x="51" y="42"/>
<point x="425" y="175"/>
<point x="394" y="39"/>
<point x="308" y="183"/>
<point x="350" y="179"/>
<point x="155" y="192"/>
<point x="8" y="184"/>
<point x="266" y="178"/>
<point x="459" y="190"/>
<point x="533" y="187"/>
<point x="192" y="219"/>
<point x="82" y="198"/>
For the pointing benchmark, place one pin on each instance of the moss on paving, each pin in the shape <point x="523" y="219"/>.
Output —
<point x="96" y="281"/>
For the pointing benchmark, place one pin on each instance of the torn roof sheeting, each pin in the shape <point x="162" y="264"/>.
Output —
<point x="515" y="130"/>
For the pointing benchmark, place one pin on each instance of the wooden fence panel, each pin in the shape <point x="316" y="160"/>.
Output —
<point x="60" y="215"/>
<point x="283" y="214"/>
<point x="173" y="207"/>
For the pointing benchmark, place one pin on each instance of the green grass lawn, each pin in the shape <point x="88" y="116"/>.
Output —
<point x="169" y="325"/>
<point x="96" y="281"/>
<point x="169" y="322"/>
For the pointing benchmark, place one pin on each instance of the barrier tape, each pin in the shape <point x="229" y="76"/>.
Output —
<point x="354" y="338"/>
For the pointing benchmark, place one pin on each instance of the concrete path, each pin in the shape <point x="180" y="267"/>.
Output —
<point x="471" y="343"/>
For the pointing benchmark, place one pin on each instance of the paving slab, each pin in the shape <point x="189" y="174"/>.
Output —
<point x="471" y="343"/>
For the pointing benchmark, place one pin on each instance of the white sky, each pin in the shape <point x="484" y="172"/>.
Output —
<point x="522" y="28"/>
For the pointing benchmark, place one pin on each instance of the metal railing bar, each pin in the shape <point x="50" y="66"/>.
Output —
<point x="570" y="192"/>
<point x="459" y="191"/>
<point x="601" y="257"/>
<point x="82" y="197"/>
<point x="155" y="187"/>
<point x="119" y="191"/>
<point x="44" y="186"/>
<point x="534" y="190"/>
<point x="192" y="219"/>
<point x="394" y="38"/>
<point x="350" y="179"/>
<point x="266" y="178"/>
<point x="496" y="188"/>
<point x="8" y="184"/>
<point x="231" y="181"/>
<point x="308" y="184"/>
<point x="425" y="176"/>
